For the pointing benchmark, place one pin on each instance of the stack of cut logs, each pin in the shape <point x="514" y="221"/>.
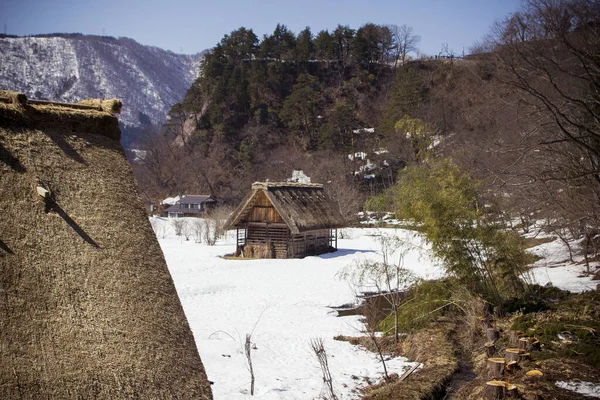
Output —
<point x="498" y="368"/>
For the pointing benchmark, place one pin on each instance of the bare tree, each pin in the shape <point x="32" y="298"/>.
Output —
<point x="371" y="322"/>
<point x="317" y="346"/>
<point x="546" y="55"/>
<point x="388" y="277"/>
<point x="248" y="347"/>
<point x="406" y="42"/>
<point x="197" y="228"/>
<point x="178" y="225"/>
<point x="213" y="224"/>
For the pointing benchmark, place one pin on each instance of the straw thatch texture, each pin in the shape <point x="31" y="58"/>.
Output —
<point x="16" y="111"/>
<point x="89" y="309"/>
<point x="303" y="207"/>
<point x="108" y="105"/>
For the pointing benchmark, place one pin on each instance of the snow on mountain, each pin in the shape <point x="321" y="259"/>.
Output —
<point x="72" y="67"/>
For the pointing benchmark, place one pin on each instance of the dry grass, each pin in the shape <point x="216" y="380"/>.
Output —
<point x="106" y="105"/>
<point x="431" y="347"/>
<point x="258" y="251"/>
<point x="89" y="309"/>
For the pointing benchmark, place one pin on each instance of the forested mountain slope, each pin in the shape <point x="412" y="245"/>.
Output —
<point x="519" y="115"/>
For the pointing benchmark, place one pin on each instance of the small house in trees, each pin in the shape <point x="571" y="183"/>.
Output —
<point x="189" y="206"/>
<point x="285" y="220"/>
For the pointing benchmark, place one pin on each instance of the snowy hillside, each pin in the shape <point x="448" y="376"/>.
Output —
<point x="70" y="68"/>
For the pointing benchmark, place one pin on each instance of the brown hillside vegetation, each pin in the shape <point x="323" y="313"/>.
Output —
<point x="89" y="309"/>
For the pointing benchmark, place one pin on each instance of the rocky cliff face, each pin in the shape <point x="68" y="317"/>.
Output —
<point x="73" y="67"/>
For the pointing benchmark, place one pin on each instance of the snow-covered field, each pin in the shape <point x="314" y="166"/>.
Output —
<point x="286" y="303"/>
<point x="283" y="304"/>
<point x="555" y="267"/>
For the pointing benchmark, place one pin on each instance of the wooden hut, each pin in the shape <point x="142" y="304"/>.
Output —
<point x="89" y="309"/>
<point x="285" y="220"/>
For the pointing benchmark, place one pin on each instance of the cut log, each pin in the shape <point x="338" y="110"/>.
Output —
<point x="512" y="354"/>
<point x="494" y="390"/>
<point x="492" y="334"/>
<point x="490" y="349"/>
<point x="495" y="367"/>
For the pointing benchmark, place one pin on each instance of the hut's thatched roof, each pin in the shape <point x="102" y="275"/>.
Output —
<point x="303" y="207"/>
<point x="89" y="309"/>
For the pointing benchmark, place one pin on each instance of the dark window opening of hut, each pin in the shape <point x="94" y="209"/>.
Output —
<point x="285" y="220"/>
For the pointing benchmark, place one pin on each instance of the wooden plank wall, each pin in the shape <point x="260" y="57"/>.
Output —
<point x="309" y="243"/>
<point x="276" y="235"/>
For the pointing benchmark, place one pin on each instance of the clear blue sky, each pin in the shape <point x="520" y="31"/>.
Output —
<point x="190" y="26"/>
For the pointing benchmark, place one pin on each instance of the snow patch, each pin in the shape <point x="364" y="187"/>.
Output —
<point x="588" y="389"/>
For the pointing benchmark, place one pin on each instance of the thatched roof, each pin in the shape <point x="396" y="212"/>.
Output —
<point x="303" y="207"/>
<point x="89" y="309"/>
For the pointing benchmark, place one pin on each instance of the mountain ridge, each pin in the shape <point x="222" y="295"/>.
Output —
<point x="71" y="67"/>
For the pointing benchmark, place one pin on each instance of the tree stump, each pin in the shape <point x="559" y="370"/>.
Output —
<point x="534" y="344"/>
<point x="495" y="367"/>
<point x="494" y="390"/>
<point x="523" y="342"/>
<point x="492" y="334"/>
<point x="510" y="391"/>
<point x="529" y="344"/>
<point x="524" y="357"/>
<point x="490" y="349"/>
<point x="512" y="367"/>
<point x="513" y="337"/>
<point x="534" y="373"/>
<point x="512" y="354"/>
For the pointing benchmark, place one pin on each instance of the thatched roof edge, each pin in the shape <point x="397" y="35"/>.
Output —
<point x="303" y="207"/>
<point x="89" y="116"/>
<point x="235" y="214"/>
